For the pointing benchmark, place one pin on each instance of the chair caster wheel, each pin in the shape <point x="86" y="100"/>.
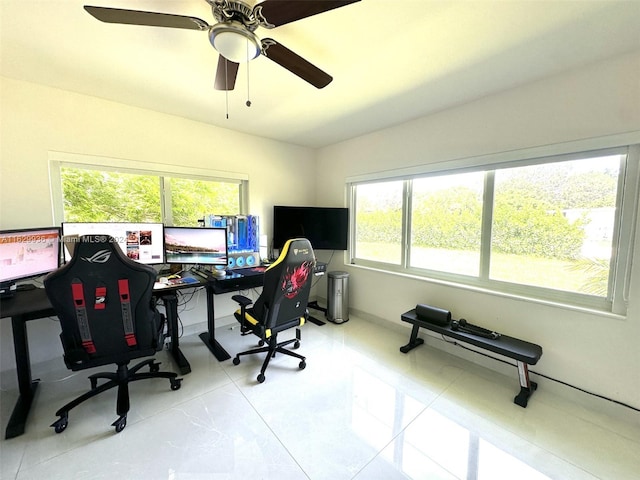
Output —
<point x="154" y="367"/>
<point x="176" y="383"/>
<point x="120" y="423"/>
<point x="236" y="361"/>
<point x="302" y="365"/>
<point x="94" y="383"/>
<point x="296" y="344"/>
<point x="261" y="378"/>
<point x="261" y="343"/>
<point x="60" y="425"/>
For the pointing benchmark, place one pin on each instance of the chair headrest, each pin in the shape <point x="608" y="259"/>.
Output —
<point x="98" y="249"/>
<point x="297" y="248"/>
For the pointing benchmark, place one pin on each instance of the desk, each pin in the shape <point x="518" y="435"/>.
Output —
<point x="34" y="304"/>
<point x="217" y="286"/>
<point x="22" y="307"/>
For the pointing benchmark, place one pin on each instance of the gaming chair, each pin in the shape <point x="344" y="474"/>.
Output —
<point x="105" y="305"/>
<point x="281" y="305"/>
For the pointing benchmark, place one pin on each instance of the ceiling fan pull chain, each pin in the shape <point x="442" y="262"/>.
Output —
<point x="248" y="103"/>
<point x="226" y="88"/>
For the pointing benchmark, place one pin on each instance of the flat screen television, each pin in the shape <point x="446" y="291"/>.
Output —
<point x="142" y="242"/>
<point x="196" y="245"/>
<point x="28" y="253"/>
<point x="327" y="228"/>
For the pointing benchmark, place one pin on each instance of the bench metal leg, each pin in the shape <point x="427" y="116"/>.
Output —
<point x="414" y="341"/>
<point x="527" y="387"/>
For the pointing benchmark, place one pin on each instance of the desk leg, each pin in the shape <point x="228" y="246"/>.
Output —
<point x="527" y="387"/>
<point x="26" y="386"/>
<point x="209" y="337"/>
<point x="171" y="307"/>
<point x="315" y="306"/>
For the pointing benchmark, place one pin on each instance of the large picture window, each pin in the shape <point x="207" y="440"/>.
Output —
<point x="553" y="228"/>
<point x="100" y="193"/>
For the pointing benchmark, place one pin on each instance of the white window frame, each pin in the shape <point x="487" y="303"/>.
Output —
<point x="58" y="160"/>
<point x="624" y="233"/>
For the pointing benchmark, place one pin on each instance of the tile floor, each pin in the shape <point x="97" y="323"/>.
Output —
<point x="360" y="410"/>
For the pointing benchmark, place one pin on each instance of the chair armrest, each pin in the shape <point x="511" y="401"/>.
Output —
<point x="242" y="300"/>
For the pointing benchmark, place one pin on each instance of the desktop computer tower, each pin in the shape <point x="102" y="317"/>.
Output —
<point x="243" y="238"/>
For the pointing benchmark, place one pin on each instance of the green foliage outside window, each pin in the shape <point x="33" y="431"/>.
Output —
<point x="192" y="199"/>
<point x="98" y="196"/>
<point x="107" y="196"/>
<point x="551" y="224"/>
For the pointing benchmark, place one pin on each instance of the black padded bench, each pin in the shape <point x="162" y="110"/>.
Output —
<point x="524" y="353"/>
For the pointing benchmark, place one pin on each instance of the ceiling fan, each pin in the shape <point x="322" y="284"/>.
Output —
<point x="233" y="35"/>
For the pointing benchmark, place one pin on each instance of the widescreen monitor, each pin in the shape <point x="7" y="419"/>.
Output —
<point x="196" y="245"/>
<point x="142" y="242"/>
<point x="327" y="228"/>
<point x="28" y="253"/>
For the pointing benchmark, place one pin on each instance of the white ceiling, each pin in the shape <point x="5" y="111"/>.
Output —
<point x="392" y="60"/>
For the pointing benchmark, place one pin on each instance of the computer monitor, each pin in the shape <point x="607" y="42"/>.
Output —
<point x="196" y="245"/>
<point x="27" y="253"/>
<point x="142" y="242"/>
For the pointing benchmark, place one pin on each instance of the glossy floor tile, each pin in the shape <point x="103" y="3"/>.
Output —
<point x="359" y="410"/>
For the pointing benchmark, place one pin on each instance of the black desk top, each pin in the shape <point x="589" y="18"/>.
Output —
<point x="510" y="347"/>
<point x="235" y="282"/>
<point x="31" y="304"/>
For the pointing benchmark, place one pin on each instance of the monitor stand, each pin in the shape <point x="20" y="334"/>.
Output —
<point x="7" y="289"/>
<point x="176" y="268"/>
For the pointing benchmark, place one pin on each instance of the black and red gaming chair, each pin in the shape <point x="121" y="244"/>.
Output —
<point x="105" y="305"/>
<point x="281" y="305"/>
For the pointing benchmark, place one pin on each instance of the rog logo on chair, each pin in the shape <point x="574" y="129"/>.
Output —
<point x="101" y="256"/>
<point x="233" y="35"/>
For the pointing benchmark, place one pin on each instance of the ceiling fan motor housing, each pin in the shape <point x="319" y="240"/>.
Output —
<point x="226" y="10"/>
<point x="233" y="35"/>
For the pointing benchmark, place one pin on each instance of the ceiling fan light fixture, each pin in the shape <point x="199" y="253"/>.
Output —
<point x="234" y="42"/>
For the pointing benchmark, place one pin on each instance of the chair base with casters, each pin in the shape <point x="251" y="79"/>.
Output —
<point x="120" y="379"/>
<point x="272" y="348"/>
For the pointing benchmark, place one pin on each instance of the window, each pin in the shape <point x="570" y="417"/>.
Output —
<point x="85" y="192"/>
<point x="553" y="228"/>
<point x="446" y="218"/>
<point x="378" y="232"/>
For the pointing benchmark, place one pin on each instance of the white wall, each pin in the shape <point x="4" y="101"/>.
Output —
<point x="588" y="350"/>
<point x="36" y="120"/>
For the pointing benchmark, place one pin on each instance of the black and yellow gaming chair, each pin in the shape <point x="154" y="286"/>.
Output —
<point x="105" y="305"/>
<point x="281" y="305"/>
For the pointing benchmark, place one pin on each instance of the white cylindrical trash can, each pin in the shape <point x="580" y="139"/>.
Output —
<point x="338" y="297"/>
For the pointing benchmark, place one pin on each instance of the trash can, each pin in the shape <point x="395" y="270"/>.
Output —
<point x="338" y="297"/>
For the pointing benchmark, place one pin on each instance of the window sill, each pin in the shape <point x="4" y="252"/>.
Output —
<point x="506" y="295"/>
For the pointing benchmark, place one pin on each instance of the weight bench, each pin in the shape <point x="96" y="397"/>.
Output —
<point x="524" y="353"/>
